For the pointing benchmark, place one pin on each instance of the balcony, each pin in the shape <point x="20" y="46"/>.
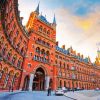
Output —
<point x="43" y="60"/>
<point x="92" y="74"/>
<point x="43" y="44"/>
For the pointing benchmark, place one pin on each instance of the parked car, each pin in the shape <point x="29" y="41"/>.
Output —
<point x="59" y="91"/>
<point x="65" y="89"/>
<point x="97" y="89"/>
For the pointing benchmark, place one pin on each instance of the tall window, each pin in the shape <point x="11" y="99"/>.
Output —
<point x="68" y="84"/>
<point x="20" y="39"/>
<point x="17" y="32"/>
<point x="5" y="49"/>
<point x="47" y="53"/>
<point x="11" y="34"/>
<point x="43" y="51"/>
<point x="22" y="50"/>
<point x="64" y="65"/>
<point x="60" y="64"/>
<point x="38" y="50"/>
<point x="14" y="40"/>
<point x="48" y="32"/>
<point x="67" y="67"/>
<point x="44" y="30"/>
<point x="14" y="58"/>
<point x="64" y="83"/>
<point x="56" y="61"/>
<point x="2" y="40"/>
<point x="9" y="54"/>
<point x="40" y="28"/>
<point x="19" y="63"/>
<point x="18" y="45"/>
<point x="6" y="80"/>
<point x="60" y="85"/>
<point x="1" y="72"/>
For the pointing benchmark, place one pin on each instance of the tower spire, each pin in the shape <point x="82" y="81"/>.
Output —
<point x="37" y="9"/>
<point x="54" y="20"/>
<point x="98" y="52"/>
<point x="97" y="62"/>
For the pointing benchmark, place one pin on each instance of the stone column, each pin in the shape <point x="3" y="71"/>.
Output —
<point x="31" y="82"/>
<point x="22" y="80"/>
<point x="47" y="80"/>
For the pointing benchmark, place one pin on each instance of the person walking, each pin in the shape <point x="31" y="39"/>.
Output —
<point x="12" y="89"/>
<point x="73" y="89"/>
<point x="9" y="88"/>
<point x="49" y="91"/>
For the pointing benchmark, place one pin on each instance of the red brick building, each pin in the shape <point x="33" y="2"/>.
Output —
<point x="13" y="45"/>
<point x="39" y="62"/>
<point x="31" y="57"/>
<point x="48" y="64"/>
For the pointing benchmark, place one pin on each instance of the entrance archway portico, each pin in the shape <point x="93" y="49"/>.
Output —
<point x="39" y="78"/>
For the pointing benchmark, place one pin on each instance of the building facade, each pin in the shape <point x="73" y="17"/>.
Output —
<point x="51" y="65"/>
<point x="13" y="45"/>
<point x="31" y="57"/>
<point x="40" y="57"/>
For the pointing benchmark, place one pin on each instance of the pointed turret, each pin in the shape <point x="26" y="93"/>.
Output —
<point x="98" y="52"/>
<point x="33" y="15"/>
<point x="97" y="62"/>
<point x="89" y="60"/>
<point x="54" y="20"/>
<point x="37" y="9"/>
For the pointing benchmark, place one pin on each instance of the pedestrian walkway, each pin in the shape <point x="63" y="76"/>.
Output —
<point x="42" y="95"/>
<point x="84" y="95"/>
<point x="35" y="95"/>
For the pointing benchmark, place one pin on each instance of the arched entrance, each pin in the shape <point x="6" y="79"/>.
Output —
<point x="39" y="80"/>
<point x="26" y="83"/>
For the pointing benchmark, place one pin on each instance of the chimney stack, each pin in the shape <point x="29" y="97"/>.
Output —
<point x="63" y="46"/>
<point x="82" y="56"/>
<point x="57" y="43"/>
<point x="78" y="54"/>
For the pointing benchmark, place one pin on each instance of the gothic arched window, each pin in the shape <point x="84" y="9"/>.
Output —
<point x="40" y="28"/>
<point x="48" y="32"/>
<point x="38" y="50"/>
<point x="44" y="30"/>
<point x="9" y="54"/>
<point x="5" y="49"/>
<point x="19" y="63"/>
<point x="14" y="58"/>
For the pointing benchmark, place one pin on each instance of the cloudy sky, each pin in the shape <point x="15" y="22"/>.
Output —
<point x="78" y="22"/>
